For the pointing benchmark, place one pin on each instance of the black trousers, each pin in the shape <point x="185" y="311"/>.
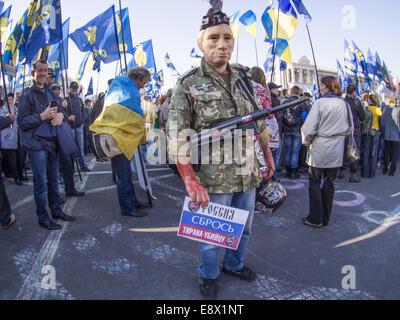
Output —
<point x="5" y="209"/>
<point x="15" y="162"/>
<point x="390" y="154"/>
<point x="67" y="171"/>
<point x="321" y="198"/>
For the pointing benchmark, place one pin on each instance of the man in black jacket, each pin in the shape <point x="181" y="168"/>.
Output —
<point x="6" y="218"/>
<point x="76" y="118"/>
<point x="275" y="102"/>
<point x="358" y="117"/>
<point x="36" y="114"/>
<point x="292" y="123"/>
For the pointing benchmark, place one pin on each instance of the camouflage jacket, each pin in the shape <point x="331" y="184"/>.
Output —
<point x="201" y="99"/>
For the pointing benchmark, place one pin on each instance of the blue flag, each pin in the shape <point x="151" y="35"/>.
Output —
<point x="283" y="66"/>
<point x="20" y="75"/>
<point x="267" y="20"/>
<point x="143" y="56"/>
<point x="46" y="29"/>
<point x="350" y="59"/>
<point x="12" y="45"/>
<point x="344" y="77"/>
<point x="269" y="62"/>
<point x="379" y="67"/>
<point x="158" y="79"/>
<point x="126" y="27"/>
<point x="301" y="9"/>
<point x="361" y="61"/>
<point x="171" y="66"/>
<point x="99" y="36"/>
<point x="58" y="60"/>
<point x="90" y="88"/>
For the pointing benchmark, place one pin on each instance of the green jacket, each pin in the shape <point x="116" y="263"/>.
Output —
<point x="201" y="99"/>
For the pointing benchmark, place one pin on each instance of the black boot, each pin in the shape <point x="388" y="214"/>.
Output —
<point x="288" y="172"/>
<point x="354" y="178"/>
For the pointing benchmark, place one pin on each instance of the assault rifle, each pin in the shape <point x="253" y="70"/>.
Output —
<point x="230" y="128"/>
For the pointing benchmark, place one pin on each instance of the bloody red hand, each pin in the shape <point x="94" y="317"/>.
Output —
<point x="194" y="189"/>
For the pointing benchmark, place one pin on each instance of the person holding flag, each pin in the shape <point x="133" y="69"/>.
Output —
<point x="122" y="118"/>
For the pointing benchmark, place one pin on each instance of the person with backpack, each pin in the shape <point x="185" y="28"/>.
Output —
<point x="391" y="129"/>
<point x="358" y="118"/>
<point x="292" y="123"/>
<point x="371" y="133"/>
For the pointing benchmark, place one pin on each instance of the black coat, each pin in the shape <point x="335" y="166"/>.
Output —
<point x="32" y="103"/>
<point x="358" y="113"/>
<point x="76" y="108"/>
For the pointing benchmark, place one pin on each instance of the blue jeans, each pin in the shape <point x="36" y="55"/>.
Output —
<point x="81" y="145"/>
<point x="277" y="158"/>
<point x="45" y="168"/>
<point x="126" y="191"/>
<point x="234" y="260"/>
<point x="292" y="145"/>
<point x="370" y="155"/>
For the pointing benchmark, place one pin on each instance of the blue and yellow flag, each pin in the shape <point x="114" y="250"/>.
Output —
<point x="158" y="79"/>
<point x="379" y="67"/>
<point x="301" y="9"/>
<point x="287" y="21"/>
<point x="267" y="20"/>
<point x="283" y="50"/>
<point x="361" y="61"/>
<point x="4" y="17"/>
<point x="196" y="58"/>
<point x="143" y="56"/>
<point x="12" y="44"/>
<point x="90" y="88"/>
<point x="171" y="66"/>
<point x="270" y="60"/>
<point x="47" y="28"/>
<point x="249" y="19"/>
<point x="125" y="25"/>
<point x="1" y="6"/>
<point x="99" y="36"/>
<point x="20" y="76"/>
<point x="122" y="117"/>
<point x="86" y="67"/>
<point x="371" y="66"/>
<point x="58" y="59"/>
<point x="234" y="23"/>
<point x="350" y="59"/>
<point x="27" y="28"/>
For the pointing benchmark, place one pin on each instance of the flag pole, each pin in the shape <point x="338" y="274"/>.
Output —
<point x="123" y="37"/>
<point x="255" y="44"/>
<point x="142" y="165"/>
<point x="62" y="56"/>
<point x="23" y="80"/>
<point x="276" y="41"/>
<point x="315" y="62"/>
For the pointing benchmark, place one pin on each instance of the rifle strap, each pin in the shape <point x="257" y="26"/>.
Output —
<point x="249" y="95"/>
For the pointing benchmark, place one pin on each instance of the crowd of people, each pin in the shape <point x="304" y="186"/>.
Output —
<point x="305" y="138"/>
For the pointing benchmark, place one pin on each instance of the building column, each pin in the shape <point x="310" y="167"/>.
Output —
<point x="293" y="77"/>
<point x="301" y="79"/>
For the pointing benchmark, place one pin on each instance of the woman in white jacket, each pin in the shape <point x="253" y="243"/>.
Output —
<point x="324" y="133"/>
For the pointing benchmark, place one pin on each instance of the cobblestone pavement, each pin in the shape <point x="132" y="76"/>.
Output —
<point x="104" y="255"/>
